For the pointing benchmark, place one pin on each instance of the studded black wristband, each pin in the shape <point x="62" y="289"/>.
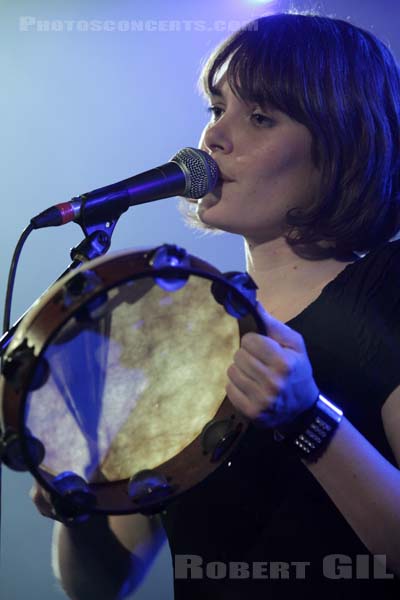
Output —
<point x="312" y="435"/>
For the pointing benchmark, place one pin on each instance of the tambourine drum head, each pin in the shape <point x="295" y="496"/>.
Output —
<point x="131" y="385"/>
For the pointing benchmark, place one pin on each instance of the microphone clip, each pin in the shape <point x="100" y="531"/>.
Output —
<point x="92" y="246"/>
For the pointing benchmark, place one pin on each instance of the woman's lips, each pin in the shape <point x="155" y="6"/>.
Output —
<point x="214" y="196"/>
<point x="222" y="182"/>
<point x="224" y="178"/>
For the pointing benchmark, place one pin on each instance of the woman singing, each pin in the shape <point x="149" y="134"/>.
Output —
<point x="305" y="129"/>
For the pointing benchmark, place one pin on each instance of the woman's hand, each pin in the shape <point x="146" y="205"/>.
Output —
<point x="41" y="499"/>
<point x="271" y="380"/>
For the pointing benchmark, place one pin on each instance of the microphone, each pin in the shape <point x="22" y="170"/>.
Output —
<point x="191" y="173"/>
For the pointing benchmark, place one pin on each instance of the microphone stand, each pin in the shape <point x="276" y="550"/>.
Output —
<point x="96" y="242"/>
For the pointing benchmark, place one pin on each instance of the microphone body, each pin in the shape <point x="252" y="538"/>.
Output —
<point x="191" y="173"/>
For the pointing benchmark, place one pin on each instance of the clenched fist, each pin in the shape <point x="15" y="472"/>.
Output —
<point x="271" y="380"/>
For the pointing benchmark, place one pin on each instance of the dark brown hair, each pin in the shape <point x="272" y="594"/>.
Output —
<point x="343" y="84"/>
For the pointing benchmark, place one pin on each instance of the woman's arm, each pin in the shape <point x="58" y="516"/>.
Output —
<point x="105" y="558"/>
<point x="365" y="487"/>
<point x="271" y="382"/>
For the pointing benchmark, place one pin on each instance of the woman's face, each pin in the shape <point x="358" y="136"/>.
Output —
<point x="265" y="163"/>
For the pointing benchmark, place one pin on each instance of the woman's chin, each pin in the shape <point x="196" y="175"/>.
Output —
<point x="204" y="207"/>
<point x="214" y="219"/>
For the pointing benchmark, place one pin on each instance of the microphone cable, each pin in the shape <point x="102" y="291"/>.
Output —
<point x="11" y="276"/>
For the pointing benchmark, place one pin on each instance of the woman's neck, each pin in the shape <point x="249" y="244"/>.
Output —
<point x="287" y="283"/>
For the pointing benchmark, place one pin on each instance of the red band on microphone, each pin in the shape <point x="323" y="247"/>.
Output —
<point x="67" y="212"/>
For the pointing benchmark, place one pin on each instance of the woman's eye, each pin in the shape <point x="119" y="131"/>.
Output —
<point x="214" y="112"/>
<point x="260" y="119"/>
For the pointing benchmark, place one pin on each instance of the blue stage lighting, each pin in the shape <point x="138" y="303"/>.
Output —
<point x="260" y="1"/>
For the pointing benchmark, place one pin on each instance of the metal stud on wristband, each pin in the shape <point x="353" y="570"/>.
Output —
<point x="312" y="436"/>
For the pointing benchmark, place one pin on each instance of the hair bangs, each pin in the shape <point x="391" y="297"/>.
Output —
<point x="266" y="69"/>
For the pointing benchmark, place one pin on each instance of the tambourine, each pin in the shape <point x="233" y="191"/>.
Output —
<point x="112" y="389"/>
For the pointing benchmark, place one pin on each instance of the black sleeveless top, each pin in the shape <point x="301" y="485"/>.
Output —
<point x="263" y="507"/>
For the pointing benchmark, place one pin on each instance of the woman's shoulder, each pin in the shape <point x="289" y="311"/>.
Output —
<point x="363" y="301"/>
<point x="382" y="253"/>
<point x="375" y="273"/>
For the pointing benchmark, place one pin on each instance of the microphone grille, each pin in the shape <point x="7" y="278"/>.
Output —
<point x="201" y="171"/>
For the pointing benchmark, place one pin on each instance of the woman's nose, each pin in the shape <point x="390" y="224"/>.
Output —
<point x="217" y="137"/>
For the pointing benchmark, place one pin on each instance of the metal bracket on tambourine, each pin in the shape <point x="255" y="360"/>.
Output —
<point x="244" y="286"/>
<point x="71" y="498"/>
<point x="149" y="490"/>
<point x="170" y="259"/>
<point x="85" y="283"/>
<point x="81" y="284"/>
<point x="12" y="450"/>
<point x="19" y="363"/>
<point x="218" y="436"/>
<point x="22" y="368"/>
